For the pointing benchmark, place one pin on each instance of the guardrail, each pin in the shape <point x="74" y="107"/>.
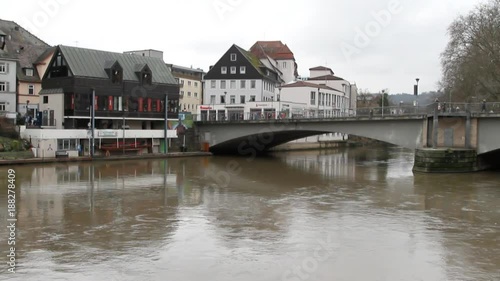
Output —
<point x="370" y="112"/>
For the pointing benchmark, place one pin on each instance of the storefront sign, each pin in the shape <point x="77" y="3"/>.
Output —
<point x="107" y="134"/>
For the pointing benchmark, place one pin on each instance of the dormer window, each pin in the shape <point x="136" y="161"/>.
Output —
<point x="147" y="78"/>
<point x="114" y="71"/>
<point x="59" y="67"/>
<point x="2" y="40"/>
<point x="29" y="71"/>
<point x="117" y="76"/>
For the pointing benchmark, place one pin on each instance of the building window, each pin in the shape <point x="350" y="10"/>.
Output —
<point x="243" y="84"/>
<point x="182" y="93"/>
<point x="189" y="94"/>
<point x="222" y="99"/>
<point x="242" y="99"/>
<point x="233" y="69"/>
<point x="182" y="82"/>
<point x="196" y="84"/>
<point x="213" y="84"/>
<point x="243" y="70"/>
<point x="3" y="67"/>
<point x="233" y="99"/>
<point x="195" y="94"/>
<point x="189" y="83"/>
<point x="2" y="106"/>
<point x="252" y="84"/>
<point x="233" y="84"/>
<point x="66" y="144"/>
<point x="313" y="98"/>
<point x="4" y="86"/>
<point x="212" y="99"/>
<point x="284" y="64"/>
<point x="223" y="84"/>
<point x="45" y="99"/>
<point x="223" y="70"/>
<point x="31" y="89"/>
<point x="233" y="57"/>
<point x="252" y="98"/>
<point x="29" y="71"/>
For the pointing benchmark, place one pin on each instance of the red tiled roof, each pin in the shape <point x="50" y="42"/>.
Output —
<point x="274" y="49"/>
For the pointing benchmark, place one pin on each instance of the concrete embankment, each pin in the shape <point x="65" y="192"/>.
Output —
<point x="100" y="158"/>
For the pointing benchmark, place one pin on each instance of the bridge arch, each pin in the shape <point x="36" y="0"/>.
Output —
<point x="254" y="136"/>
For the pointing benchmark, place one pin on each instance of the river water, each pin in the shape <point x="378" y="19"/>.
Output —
<point x="345" y="214"/>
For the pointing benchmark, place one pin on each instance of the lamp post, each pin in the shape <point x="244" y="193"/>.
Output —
<point x="225" y="101"/>
<point x="317" y="115"/>
<point x="383" y="97"/>
<point x="416" y="95"/>
<point x="279" y="101"/>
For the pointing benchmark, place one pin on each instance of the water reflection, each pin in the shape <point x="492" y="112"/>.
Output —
<point x="238" y="218"/>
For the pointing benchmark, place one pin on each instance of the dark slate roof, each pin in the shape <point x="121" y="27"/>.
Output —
<point x="92" y="63"/>
<point x="255" y="61"/>
<point x="23" y="46"/>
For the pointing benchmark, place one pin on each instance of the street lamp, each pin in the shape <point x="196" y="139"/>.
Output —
<point x="317" y="115"/>
<point x="383" y="97"/>
<point x="279" y="101"/>
<point x="415" y="90"/>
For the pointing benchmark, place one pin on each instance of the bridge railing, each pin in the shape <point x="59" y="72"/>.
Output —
<point x="369" y="112"/>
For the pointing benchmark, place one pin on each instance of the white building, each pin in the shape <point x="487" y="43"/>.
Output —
<point x="238" y="78"/>
<point x="276" y="55"/>
<point x="8" y="71"/>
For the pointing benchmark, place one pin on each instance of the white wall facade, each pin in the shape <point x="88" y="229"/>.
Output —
<point x="287" y="67"/>
<point x="53" y="110"/>
<point x="264" y="91"/>
<point x="8" y="91"/>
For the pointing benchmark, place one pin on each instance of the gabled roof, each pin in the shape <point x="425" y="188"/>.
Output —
<point x="91" y="63"/>
<point x="326" y="77"/>
<point x="300" y="84"/>
<point x="274" y="49"/>
<point x="254" y="60"/>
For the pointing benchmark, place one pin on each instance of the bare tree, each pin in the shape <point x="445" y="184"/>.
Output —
<point x="471" y="60"/>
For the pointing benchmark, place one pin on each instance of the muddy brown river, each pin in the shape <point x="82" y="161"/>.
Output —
<point x="345" y="214"/>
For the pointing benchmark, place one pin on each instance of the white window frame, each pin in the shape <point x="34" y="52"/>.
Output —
<point x="189" y="94"/>
<point x="233" y="56"/>
<point x="233" y="69"/>
<point x="242" y="99"/>
<point x="223" y="84"/>
<point x="31" y="88"/>
<point x="3" y="106"/>
<point x="243" y="70"/>
<point x="4" y="87"/>
<point x="223" y="69"/>
<point x="243" y="84"/>
<point x="253" y="84"/>
<point x="232" y="84"/>
<point x="232" y="99"/>
<point x="3" y="67"/>
<point x="29" y="72"/>
<point x="213" y="84"/>
<point x="252" y="98"/>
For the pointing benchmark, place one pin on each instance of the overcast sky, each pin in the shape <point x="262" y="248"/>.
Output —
<point x="375" y="43"/>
